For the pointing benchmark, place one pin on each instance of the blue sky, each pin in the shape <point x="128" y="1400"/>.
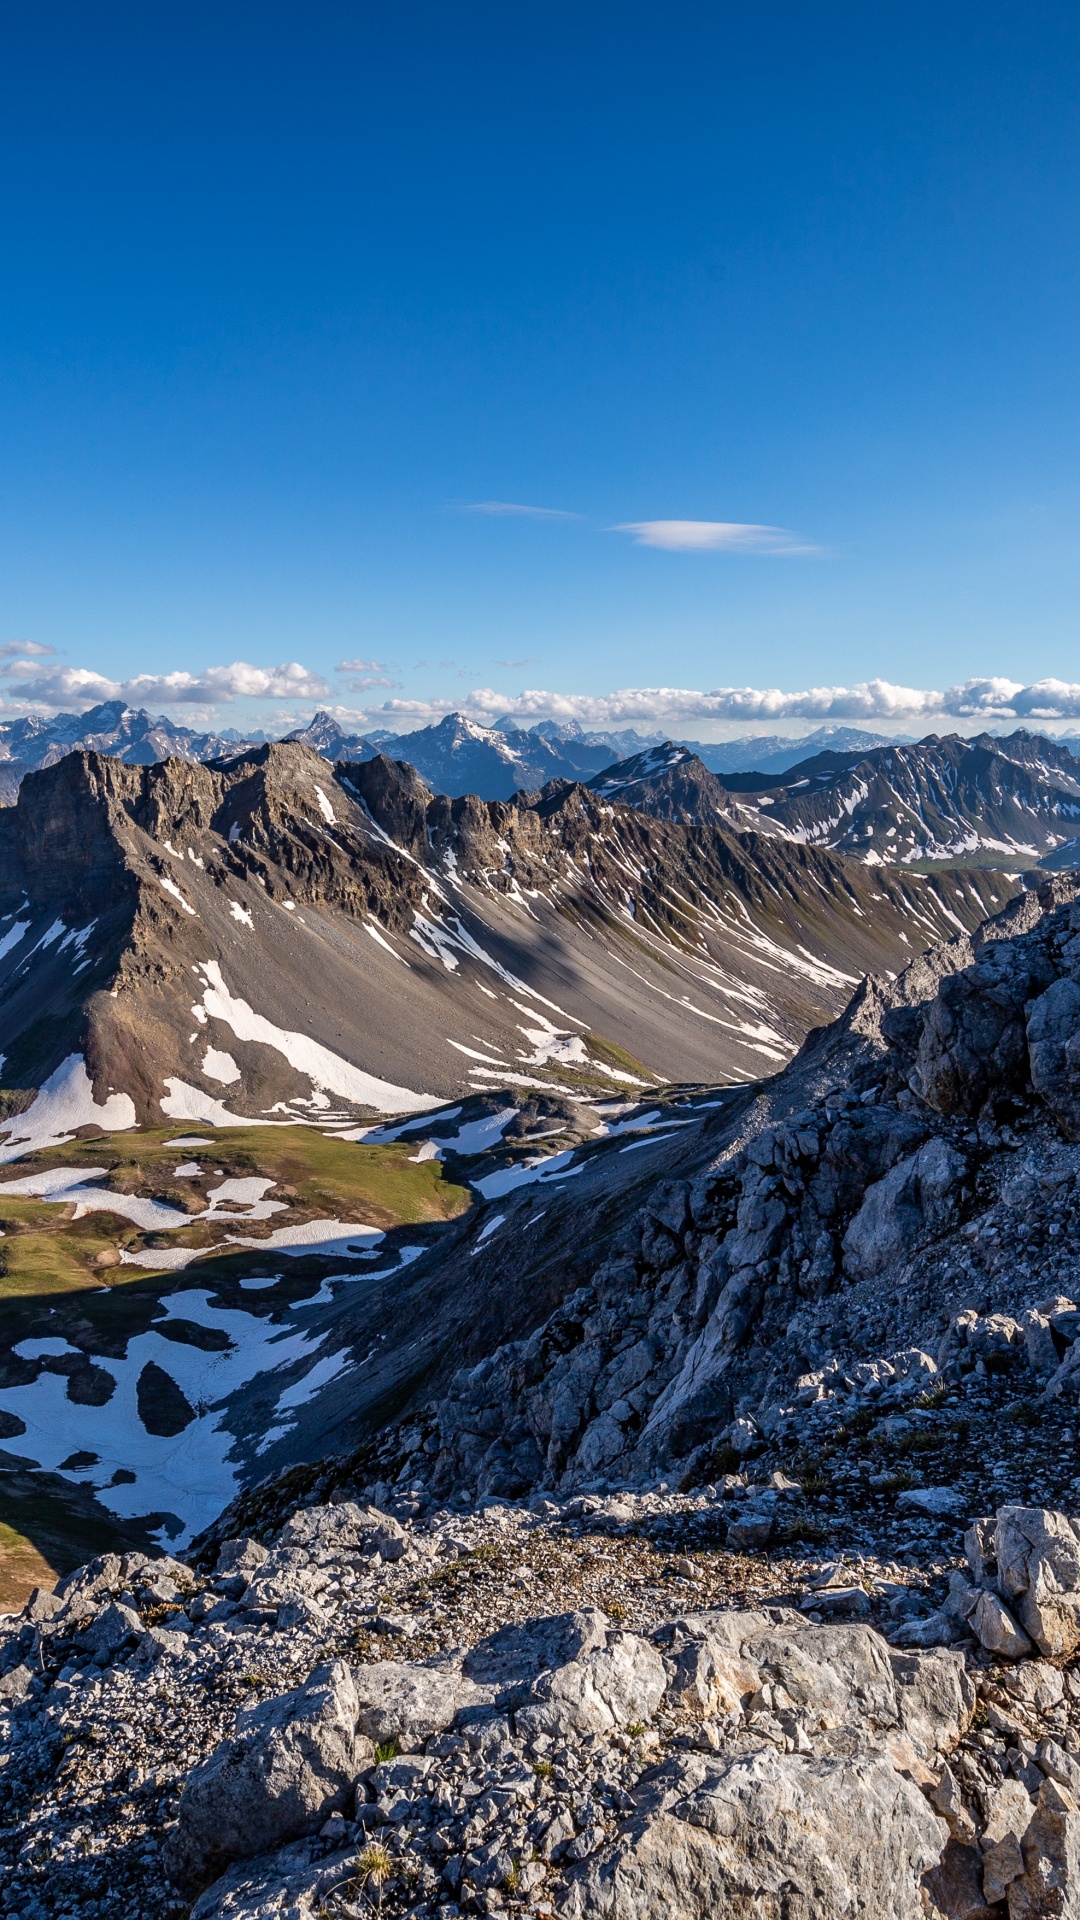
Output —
<point x="289" y="291"/>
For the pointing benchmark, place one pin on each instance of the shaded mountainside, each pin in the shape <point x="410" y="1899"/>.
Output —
<point x="268" y="933"/>
<point x="671" y="783"/>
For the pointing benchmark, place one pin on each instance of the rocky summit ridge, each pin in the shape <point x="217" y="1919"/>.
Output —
<point x="746" y="1582"/>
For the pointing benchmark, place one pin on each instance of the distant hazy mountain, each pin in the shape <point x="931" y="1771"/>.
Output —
<point x="124" y="732"/>
<point x="457" y="756"/>
<point x="775" y="753"/>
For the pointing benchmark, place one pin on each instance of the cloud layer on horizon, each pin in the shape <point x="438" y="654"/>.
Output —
<point x="30" y="683"/>
<point x="992" y="698"/>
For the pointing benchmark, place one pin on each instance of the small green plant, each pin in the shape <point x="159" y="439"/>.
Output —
<point x="919" y="1442"/>
<point x="635" y="1729"/>
<point x="813" y="1482"/>
<point x="543" y="1769"/>
<point x="256" y="1678"/>
<point x="511" y="1880"/>
<point x="386" y="1750"/>
<point x="617" y="1612"/>
<point x="933" y="1397"/>
<point x="861" y="1421"/>
<point x="374" y="1867"/>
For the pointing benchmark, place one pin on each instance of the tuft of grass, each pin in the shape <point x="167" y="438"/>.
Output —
<point x="861" y="1421"/>
<point x="374" y="1866"/>
<point x="543" y="1769"/>
<point x="933" y="1397"/>
<point x="635" y="1729"/>
<point x="386" y="1750"/>
<point x="812" y="1482"/>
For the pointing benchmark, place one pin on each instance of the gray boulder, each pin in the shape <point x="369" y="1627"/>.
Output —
<point x="345" y="1525"/>
<point x="409" y="1704"/>
<point x="509" y="1660"/>
<point x="768" y="1833"/>
<point x="833" y="1679"/>
<point x="607" y="1688"/>
<point x="291" y="1762"/>
<point x="916" y="1197"/>
<point x="1053" y="1037"/>
<point x="240" y="1556"/>
<point x="1038" y="1569"/>
<point x="1050" y="1882"/>
<point x="108" y="1632"/>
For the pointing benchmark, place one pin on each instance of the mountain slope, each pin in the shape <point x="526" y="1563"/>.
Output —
<point x="671" y="783"/>
<point x="942" y="799"/>
<point x="269" y="934"/>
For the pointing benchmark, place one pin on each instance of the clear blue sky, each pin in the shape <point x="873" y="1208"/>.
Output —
<point x="287" y="288"/>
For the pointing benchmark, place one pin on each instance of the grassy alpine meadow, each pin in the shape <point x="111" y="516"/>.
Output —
<point x="49" y="1247"/>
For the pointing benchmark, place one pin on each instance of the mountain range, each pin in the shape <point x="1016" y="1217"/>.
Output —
<point x="987" y="801"/>
<point x="455" y="756"/>
<point x="272" y="934"/>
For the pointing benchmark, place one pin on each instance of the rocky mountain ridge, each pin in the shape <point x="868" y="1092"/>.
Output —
<point x="952" y="799"/>
<point x="346" y="935"/>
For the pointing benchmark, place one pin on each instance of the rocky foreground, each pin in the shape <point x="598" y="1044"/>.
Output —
<point x="551" y="1708"/>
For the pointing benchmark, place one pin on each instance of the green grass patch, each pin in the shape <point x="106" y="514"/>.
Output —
<point x="46" y="1250"/>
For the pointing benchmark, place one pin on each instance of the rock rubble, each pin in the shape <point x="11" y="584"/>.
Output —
<point x="409" y="1729"/>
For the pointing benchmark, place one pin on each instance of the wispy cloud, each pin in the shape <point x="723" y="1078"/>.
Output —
<point x="714" y="536"/>
<point x="24" y="650"/>
<point x="517" y="507"/>
<point x="529" y="660"/>
<point x="361" y="675"/>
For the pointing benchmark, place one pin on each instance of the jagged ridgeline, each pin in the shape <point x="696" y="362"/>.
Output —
<point x="268" y="933"/>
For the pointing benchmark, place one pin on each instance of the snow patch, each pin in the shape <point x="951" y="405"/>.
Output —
<point x="221" y="1067"/>
<point x="66" y="1101"/>
<point x="323" y="1068"/>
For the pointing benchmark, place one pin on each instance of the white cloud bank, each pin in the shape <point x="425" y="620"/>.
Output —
<point x="992" y="698"/>
<point x="80" y="687"/>
<point x="28" y="683"/>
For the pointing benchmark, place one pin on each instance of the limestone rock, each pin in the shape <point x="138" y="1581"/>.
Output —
<point x="1050" y="1882"/>
<point x="409" y="1704"/>
<point x="767" y="1832"/>
<point x="344" y="1524"/>
<point x="1038" y="1561"/>
<point x="995" y="1629"/>
<point x="291" y="1762"/>
<point x="1053" y="1038"/>
<point x="603" y="1690"/>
